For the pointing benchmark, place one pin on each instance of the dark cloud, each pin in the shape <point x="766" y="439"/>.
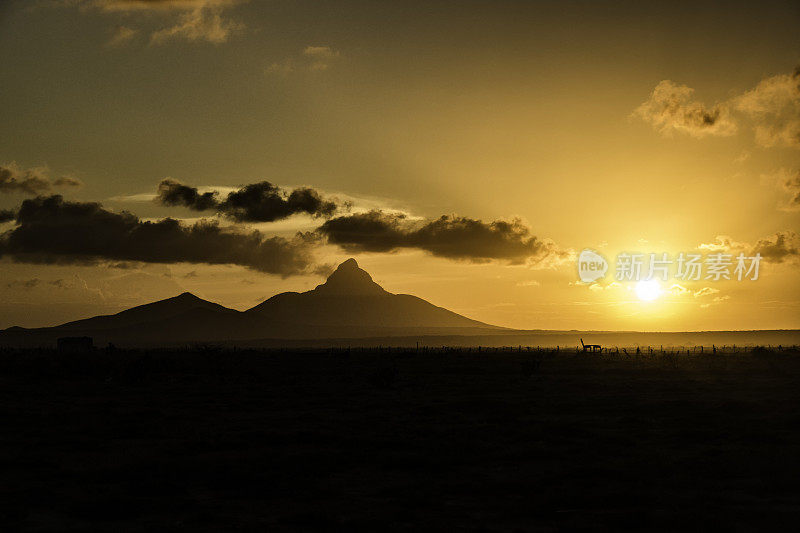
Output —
<point x="50" y="230"/>
<point x="265" y="202"/>
<point x="7" y="215"/>
<point x="452" y="237"/>
<point x="257" y="202"/>
<point x="375" y="231"/>
<point x="32" y="181"/>
<point x="778" y="248"/>
<point x="173" y="193"/>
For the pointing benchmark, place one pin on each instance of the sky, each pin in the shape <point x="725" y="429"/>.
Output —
<point x="462" y="152"/>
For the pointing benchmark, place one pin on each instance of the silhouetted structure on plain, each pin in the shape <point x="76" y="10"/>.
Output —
<point x="591" y="348"/>
<point x="72" y="345"/>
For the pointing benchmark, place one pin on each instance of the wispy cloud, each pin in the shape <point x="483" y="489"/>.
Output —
<point x="772" y="108"/>
<point x="671" y="107"/>
<point x="716" y="301"/>
<point x="705" y="291"/>
<point x="180" y="20"/>
<point x="312" y="58"/>
<point x="199" y="24"/>
<point x="789" y="182"/>
<point x="31" y="181"/>
<point x="678" y="290"/>
<point x="321" y="56"/>
<point x="780" y="247"/>
<point x="122" y="35"/>
<point x="157" y="5"/>
<point x="722" y="243"/>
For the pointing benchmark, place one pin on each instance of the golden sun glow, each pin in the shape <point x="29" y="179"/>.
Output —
<point x="648" y="291"/>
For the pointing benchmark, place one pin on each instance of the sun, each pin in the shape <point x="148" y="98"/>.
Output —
<point x="648" y="291"/>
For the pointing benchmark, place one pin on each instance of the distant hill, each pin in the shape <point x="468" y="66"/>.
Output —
<point x="348" y="305"/>
<point x="160" y="310"/>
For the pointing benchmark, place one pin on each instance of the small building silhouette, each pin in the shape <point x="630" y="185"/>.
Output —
<point x="591" y="348"/>
<point x="73" y="345"/>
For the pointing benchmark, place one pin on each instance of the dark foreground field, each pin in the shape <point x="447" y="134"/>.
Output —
<point x="210" y="440"/>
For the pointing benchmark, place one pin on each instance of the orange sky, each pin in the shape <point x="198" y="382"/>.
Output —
<point x="612" y="126"/>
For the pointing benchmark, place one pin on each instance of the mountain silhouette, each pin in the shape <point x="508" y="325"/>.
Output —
<point x="350" y="298"/>
<point x="348" y="305"/>
<point x="350" y="280"/>
<point x="160" y="310"/>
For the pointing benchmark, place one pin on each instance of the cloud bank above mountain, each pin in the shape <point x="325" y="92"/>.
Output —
<point x="50" y="230"/>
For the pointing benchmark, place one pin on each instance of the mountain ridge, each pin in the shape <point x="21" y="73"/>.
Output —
<point x="348" y="304"/>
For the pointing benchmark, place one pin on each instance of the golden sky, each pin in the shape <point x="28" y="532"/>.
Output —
<point x="537" y="129"/>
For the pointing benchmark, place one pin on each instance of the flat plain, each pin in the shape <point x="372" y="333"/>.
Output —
<point x="208" y="439"/>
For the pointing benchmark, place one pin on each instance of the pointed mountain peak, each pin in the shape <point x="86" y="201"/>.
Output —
<point x="349" y="264"/>
<point x="184" y="300"/>
<point x="350" y="280"/>
<point x="186" y="297"/>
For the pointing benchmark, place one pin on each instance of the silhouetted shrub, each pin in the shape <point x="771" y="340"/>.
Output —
<point x="762" y="351"/>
